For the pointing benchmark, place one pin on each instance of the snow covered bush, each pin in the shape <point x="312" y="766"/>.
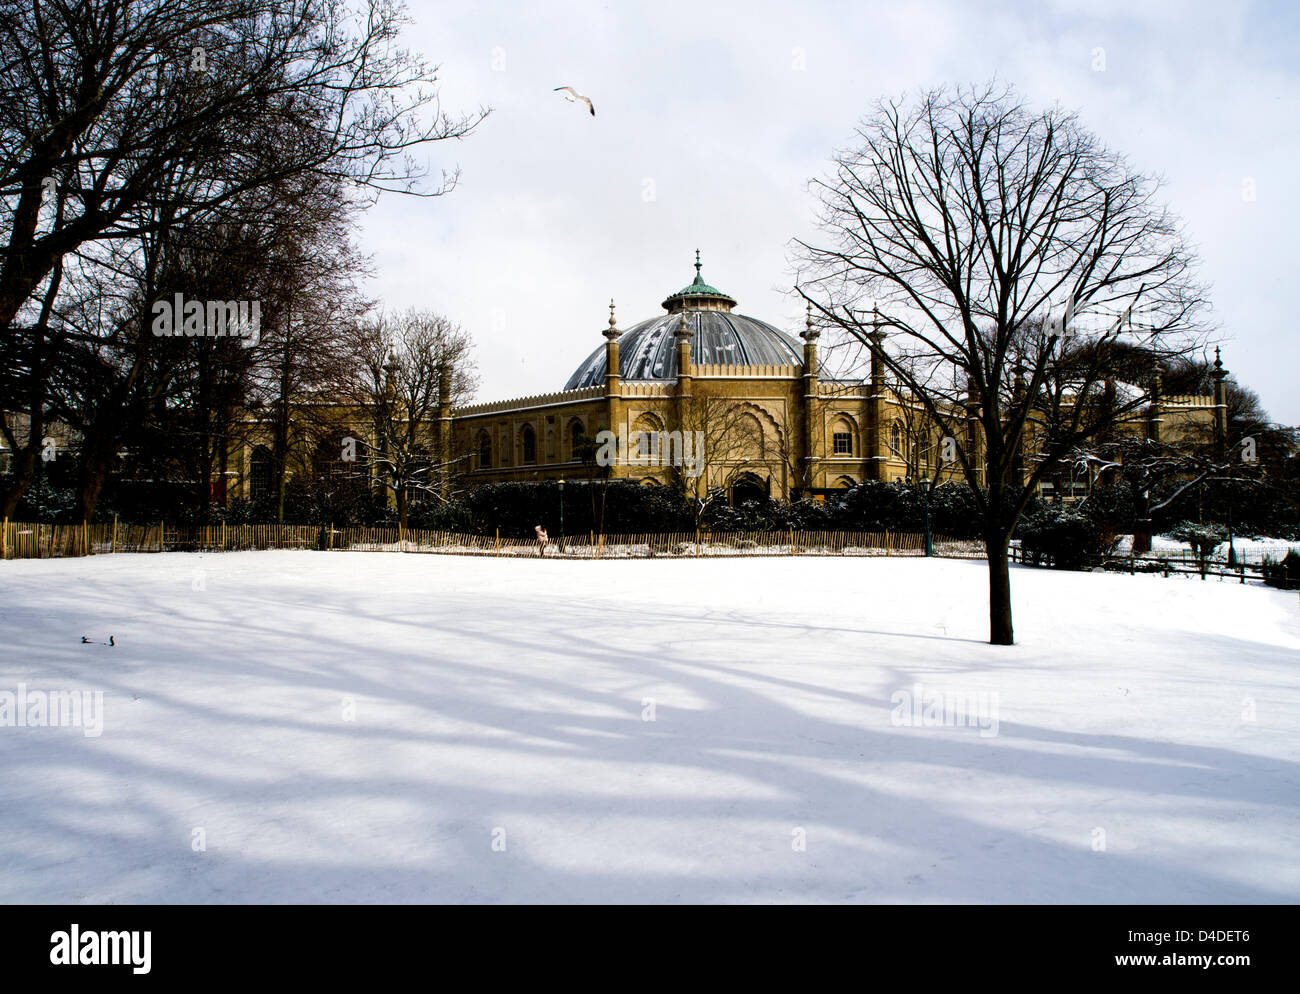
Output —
<point x="1203" y="539"/>
<point x="1284" y="575"/>
<point x="1060" y="537"/>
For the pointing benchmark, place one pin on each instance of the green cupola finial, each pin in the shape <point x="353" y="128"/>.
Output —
<point x="700" y="294"/>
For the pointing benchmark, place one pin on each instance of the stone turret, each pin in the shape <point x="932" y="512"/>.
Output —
<point x="810" y="334"/>
<point x="684" y="333"/>
<point x="390" y="376"/>
<point x="1219" y="375"/>
<point x="1155" y="418"/>
<point x="876" y="446"/>
<point x="613" y="386"/>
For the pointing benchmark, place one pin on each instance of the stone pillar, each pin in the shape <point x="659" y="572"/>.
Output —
<point x="613" y="385"/>
<point x="684" y="333"/>
<point x="876" y="445"/>
<point x="1154" y="419"/>
<point x="682" y="394"/>
<point x="1219" y="375"/>
<point x="390" y="376"/>
<point x="811" y="407"/>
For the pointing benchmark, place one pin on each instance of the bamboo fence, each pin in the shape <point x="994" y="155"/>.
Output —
<point x="45" y="541"/>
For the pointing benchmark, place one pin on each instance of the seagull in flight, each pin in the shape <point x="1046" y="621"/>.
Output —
<point x="573" y="96"/>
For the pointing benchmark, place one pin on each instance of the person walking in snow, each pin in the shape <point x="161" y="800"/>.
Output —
<point x="541" y="539"/>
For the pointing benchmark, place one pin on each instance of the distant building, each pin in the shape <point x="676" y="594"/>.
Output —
<point x="769" y="423"/>
<point x="762" y="420"/>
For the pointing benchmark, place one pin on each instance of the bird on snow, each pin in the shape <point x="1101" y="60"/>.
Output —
<point x="573" y="96"/>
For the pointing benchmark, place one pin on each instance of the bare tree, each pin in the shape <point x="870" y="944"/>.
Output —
<point x="120" y="119"/>
<point x="174" y="405"/>
<point x="312" y="290"/>
<point x="107" y="97"/>
<point x="410" y="369"/>
<point x="731" y="443"/>
<point x="1005" y="253"/>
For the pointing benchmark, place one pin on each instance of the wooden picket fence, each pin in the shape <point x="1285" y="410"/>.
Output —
<point x="44" y="541"/>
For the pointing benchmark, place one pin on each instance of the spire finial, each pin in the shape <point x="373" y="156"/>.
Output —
<point x="809" y="333"/>
<point x="612" y="331"/>
<point x="877" y="334"/>
<point x="685" y="330"/>
<point x="1218" y="373"/>
<point x="698" y="278"/>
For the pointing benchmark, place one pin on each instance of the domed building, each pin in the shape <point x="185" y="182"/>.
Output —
<point x="700" y="397"/>
<point x="761" y="421"/>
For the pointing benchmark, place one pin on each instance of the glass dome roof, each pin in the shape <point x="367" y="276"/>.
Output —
<point x="648" y="350"/>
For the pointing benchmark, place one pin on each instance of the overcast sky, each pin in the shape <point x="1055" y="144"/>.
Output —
<point x="712" y="117"/>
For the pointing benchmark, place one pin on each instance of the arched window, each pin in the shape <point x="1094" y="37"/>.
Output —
<point x="575" y="439"/>
<point x="846" y="483"/>
<point x="896" y="438"/>
<point x="528" y="438"/>
<point x="648" y="428"/>
<point x="259" y="473"/>
<point x="484" y="450"/>
<point x="842" y="438"/>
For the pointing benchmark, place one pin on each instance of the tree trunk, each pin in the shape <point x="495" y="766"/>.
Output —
<point x="94" y="473"/>
<point x="26" y="459"/>
<point x="99" y="443"/>
<point x="1000" y="628"/>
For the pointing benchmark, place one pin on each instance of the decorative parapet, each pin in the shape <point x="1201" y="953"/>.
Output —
<point x="849" y="390"/>
<point x="764" y="371"/>
<point x="648" y="388"/>
<point x="1187" y="400"/>
<point x="523" y="403"/>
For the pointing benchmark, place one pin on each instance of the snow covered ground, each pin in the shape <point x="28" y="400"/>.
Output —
<point x="1252" y="550"/>
<point x="366" y="727"/>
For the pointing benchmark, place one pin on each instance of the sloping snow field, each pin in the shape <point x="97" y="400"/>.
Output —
<point x="353" y="727"/>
